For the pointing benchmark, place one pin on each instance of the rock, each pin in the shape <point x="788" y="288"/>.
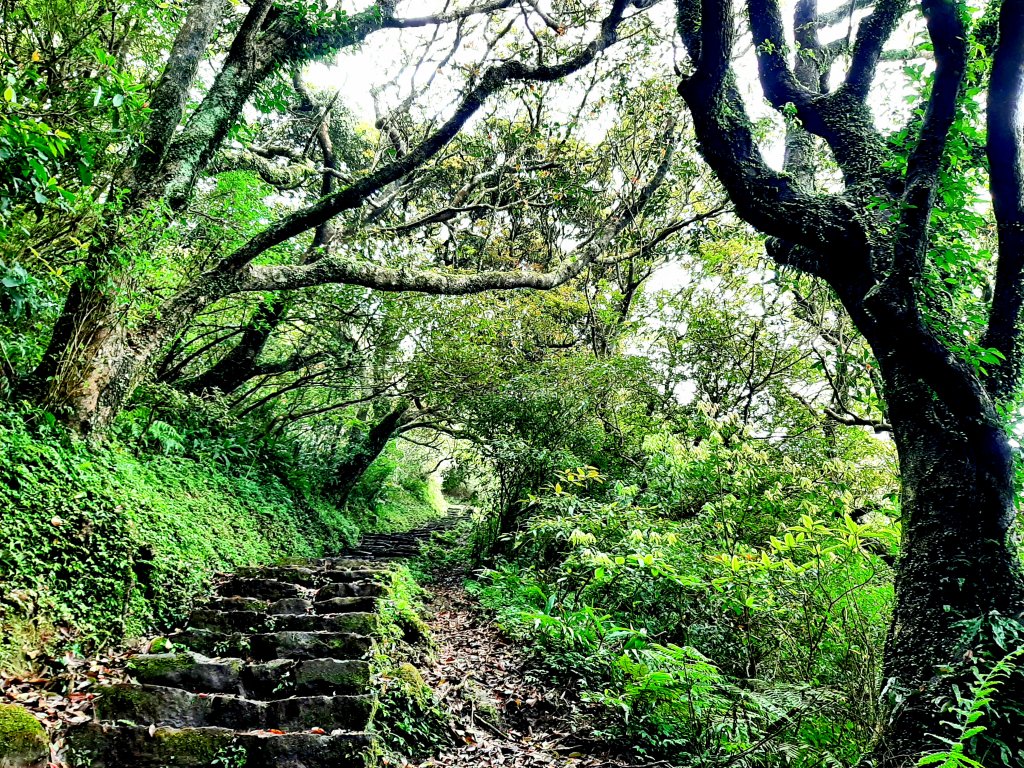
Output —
<point x="263" y="589"/>
<point x="23" y="742"/>
<point x="189" y="671"/>
<point x="332" y="676"/>
<point x="349" y="589"/>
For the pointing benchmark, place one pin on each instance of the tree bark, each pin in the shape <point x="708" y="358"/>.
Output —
<point x="240" y="364"/>
<point x="957" y="563"/>
<point x="349" y="472"/>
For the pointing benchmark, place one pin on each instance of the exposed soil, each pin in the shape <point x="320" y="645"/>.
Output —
<point x="476" y="671"/>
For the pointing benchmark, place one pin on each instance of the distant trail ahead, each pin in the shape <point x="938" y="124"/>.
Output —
<point x="395" y="546"/>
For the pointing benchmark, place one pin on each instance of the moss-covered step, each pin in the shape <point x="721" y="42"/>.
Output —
<point x="341" y="575"/>
<point x="348" y="564"/>
<point x="290" y="605"/>
<point x="365" y="588"/>
<point x="23" y="742"/>
<point x="173" y="707"/>
<point x="238" y="604"/>
<point x="228" y="621"/>
<point x="253" y="622"/>
<point x="292" y="574"/>
<point x="309" y="645"/>
<point x="347" y="605"/>
<point x="273" y="679"/>
<point x="177" y="708"/>
<point x="190" y="671"/>
<point x="99" y="745"/>
<point x="264" y="589"/>
<point x="301" y="713"/>
<point x="277" y="645"/>
<point x="359" y="622"/>
<point x="331" y="676"/>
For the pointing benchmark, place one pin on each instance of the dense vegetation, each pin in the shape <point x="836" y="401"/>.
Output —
<point x="731" y="385"/>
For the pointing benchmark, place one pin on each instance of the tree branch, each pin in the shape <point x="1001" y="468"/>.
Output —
<point x="949" y="39"/>
<point x="873" y="34"/>
<point x="763" y="197"/>
<point x="168" y="100"/>
<point x="1006" y="180"/>
<point x="355" y="194"/>
<point x="335" y="269"/>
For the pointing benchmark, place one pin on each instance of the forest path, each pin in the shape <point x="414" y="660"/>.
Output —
<point x="500" y="714"/>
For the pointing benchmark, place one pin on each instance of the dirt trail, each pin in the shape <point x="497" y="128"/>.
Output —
<point x="538" y="725"/>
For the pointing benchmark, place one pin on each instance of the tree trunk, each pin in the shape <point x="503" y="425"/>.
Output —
<point x="239" y="364"/>
<point x="349" y="472"/>
<point x="958" y="564"/>
<point x="80" y="359"/>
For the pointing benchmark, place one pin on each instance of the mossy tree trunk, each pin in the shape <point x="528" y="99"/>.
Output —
<point x="870" y="243"/>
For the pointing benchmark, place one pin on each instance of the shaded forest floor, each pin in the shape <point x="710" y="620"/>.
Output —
<point x="502" y="715"/>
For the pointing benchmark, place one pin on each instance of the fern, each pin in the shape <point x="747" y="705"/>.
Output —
<point x="969" y="710"/>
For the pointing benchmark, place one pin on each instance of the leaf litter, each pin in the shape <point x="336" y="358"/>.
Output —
<point x="501" y="714"/>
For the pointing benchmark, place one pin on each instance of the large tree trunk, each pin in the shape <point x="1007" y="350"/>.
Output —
<point x="349" y="472"/>
<point x="78" y="365"/>
<point x="958" y="563"/>
<point x="240" y="364"/>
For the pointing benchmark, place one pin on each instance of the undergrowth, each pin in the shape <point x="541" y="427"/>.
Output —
<point x="396" y="493"/>
<point x="99" y="542"/>
<point x="695" y="640"/>
<point x="408" y="719"/>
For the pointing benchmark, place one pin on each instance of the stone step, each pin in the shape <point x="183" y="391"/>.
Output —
<point x="189" y="671"/>
<point x="364" y="588"/>
<point x="176" y="708"/>
<point x="351" y="574"/>
<point x="269" y="680"/>
<point x="276" y="645"/>
<point x="290" y="605"/>
<point x="309" y="645"/>
<point x="347" y="563"/>
<point x="307" y="577"/>
<point x="346" y="605"/>
<point x="237" y="604"/>
<point x="97" y="745"/>
<point x="266" y="589"/>
<point x="291" y="574"/>
<point x="252" y="622"/>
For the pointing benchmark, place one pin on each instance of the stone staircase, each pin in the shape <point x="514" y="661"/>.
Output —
<point x="396" y="546"/>
<point x="275" y="675"/>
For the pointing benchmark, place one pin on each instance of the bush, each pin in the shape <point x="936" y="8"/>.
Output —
<point x="396" y="494"/>
<point x="694" y="636"/>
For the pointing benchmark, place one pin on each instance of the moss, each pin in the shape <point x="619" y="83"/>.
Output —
<point x="408" y="674"/>
<point x="23" y="742"/>
<point x="193" y="746"/>
<point x="325" y="670"/>
<point x="160" y="665"/>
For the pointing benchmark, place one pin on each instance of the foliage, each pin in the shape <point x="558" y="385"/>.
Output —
<point x="703" y="637"/>
<point x="408" y="718"/>
<point x="397" y="493"/>
<point x="98" y="542"/>
<point x="992" y="661"/>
